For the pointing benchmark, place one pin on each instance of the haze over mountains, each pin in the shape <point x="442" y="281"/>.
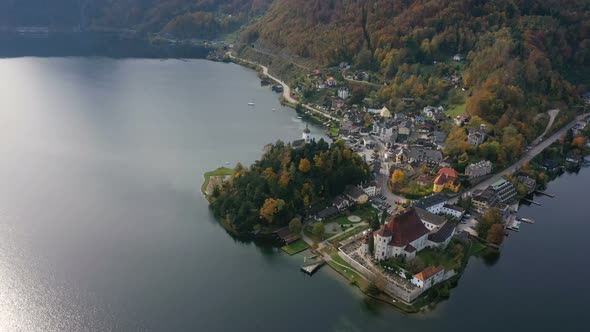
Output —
<point x="521" y="56"/>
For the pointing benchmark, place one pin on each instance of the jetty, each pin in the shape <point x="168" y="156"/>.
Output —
<point x="544" y="193"/>
<point x="528" y="221"/>
<point x="531" y="201"/>
<point x="514" y="226"/>
<point x="311" y="267"/>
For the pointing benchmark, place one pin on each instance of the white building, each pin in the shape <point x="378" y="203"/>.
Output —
<point x="478" y="169"/>
<point x="430" y="220"/>
<point x="453" y="210"/>
<point x="371" y="189"/>
<point x="477" y="136"/>
<point x="433" y="203"/>
<point x="429" y="277"/>
<point x="306" y="136"/>
<point x="404" y="235"/>
<point x="343" y="93"/>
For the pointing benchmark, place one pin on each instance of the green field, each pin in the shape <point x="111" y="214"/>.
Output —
<point x="456" y="110"/>
<point x="221" y="171"/>
<point x="295" y="247"/>
<point x="349" y="233"/>
<point x="364" y="213"/>
<point x="348" y="271"/>
<point x="333" y="131"/>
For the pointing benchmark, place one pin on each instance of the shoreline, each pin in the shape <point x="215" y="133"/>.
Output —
<point x="285" y="98"/>
<point x="426" y="301"/>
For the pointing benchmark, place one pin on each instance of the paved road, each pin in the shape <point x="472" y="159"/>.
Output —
<point x="286" y="89"/>
<point x="542" y="144"/>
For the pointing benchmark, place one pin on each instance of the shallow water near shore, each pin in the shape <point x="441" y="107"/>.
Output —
<point x="103" y="227"/>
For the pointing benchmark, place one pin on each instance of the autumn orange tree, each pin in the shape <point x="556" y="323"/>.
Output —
<point x="304" y="165"/>
<point x="271" y="208"/>
<point x="398" y="178"/>
<point x="285" y="182"/>
<point x="579" y="142"/>
<point x="496" y="234"/>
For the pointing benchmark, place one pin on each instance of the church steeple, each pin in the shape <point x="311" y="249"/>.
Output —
<point x="306" y="134"/>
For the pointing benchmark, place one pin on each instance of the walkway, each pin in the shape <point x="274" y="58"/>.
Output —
<point x="286" y="89"/>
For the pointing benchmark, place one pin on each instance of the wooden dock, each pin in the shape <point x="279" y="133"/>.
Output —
<point x="311" y="268"/>
<point x="531" y="201"/>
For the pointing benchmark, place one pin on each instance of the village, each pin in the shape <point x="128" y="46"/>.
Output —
<point x="428" y="214"/>
<point x="403" y="247"/>
<point x="405" y="236"/>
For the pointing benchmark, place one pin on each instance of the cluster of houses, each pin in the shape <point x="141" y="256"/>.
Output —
<point x="352" y="195"/>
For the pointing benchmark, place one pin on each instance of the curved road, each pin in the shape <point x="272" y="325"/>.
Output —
<point x="533" y="152"/>
<point x="286" y="89"/>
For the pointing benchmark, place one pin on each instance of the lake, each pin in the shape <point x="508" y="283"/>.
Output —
<point x="103" y="227"/>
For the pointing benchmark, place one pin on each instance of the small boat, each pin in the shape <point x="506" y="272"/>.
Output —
<point x="274" y="110"/>
<point x="299" y="118"/>
<point x="227" y="163"/>
<point x="250" y="104"/>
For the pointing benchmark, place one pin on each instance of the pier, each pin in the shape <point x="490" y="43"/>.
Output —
<point x="531" y="201"/>
<point x="528" y="221"/>
<point x="514" y="226"/>
<point x="544" y="193"/>
<point x="311" y="268"/>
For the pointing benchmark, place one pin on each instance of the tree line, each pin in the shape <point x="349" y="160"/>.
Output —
<point x="284" y="182"/>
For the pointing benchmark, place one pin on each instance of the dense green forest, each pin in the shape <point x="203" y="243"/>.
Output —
<point x="284" y="182"/>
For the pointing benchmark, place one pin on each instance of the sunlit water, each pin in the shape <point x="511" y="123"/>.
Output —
<point x="102" y="226"/>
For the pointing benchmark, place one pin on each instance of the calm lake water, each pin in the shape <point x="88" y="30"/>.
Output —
<point x="103" y="228"/>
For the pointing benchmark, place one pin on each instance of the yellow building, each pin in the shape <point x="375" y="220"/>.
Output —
<point x="446" y="178"/>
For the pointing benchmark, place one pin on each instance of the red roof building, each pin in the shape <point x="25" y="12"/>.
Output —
<point x="403" y="235"/>
<point x="446" y="178"/>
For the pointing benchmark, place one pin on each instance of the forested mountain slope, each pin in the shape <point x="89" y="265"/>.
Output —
<point x="179" y="18"/>
<point x="521" y="55"/>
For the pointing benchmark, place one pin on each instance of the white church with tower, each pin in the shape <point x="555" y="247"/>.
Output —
<point x="305" y="138"/>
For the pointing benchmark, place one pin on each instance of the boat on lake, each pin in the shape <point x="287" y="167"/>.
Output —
<point x="251" y="104"/>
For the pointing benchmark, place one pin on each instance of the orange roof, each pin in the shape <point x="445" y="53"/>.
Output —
<point x="429" y="272"/>
<point x="440" y="180"/>
<point x="448" y="172"/>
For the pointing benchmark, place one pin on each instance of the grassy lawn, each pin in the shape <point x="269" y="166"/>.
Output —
<point x="333" y="131"/>
<point x="456" y="110"/>
<point x="451" y="258"/>
<point x="327" y="235"/>
<point x="432" y="257"/>
<point x="476" y="247"/>
<point x="349" y="272"/>
<point x="349" y="233"/>
<point x="221" y="171"/>
<point x="295" y="247"/>
<point x="364" y="213"/>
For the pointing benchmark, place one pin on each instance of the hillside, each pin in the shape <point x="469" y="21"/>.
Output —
<point x="177" y="18"/>
<point x="521" y="57"/>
